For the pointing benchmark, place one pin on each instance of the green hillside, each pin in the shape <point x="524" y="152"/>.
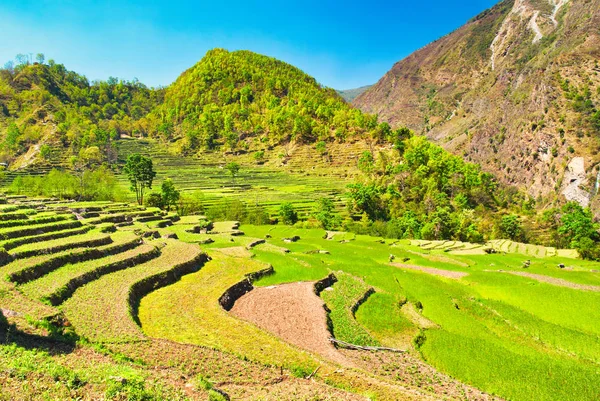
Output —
<point x="45" y="107"/>
<point x="233" y="98"/>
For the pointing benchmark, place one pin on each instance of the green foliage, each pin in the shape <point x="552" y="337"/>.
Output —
<point x="86" y="114"/>
<point x="422" y="191"/>
<point x="578" y="228"/>
<point x="321" y="147"/>
<point x="511" y="228"/>
<point x="227" y="210"/>
<point x="233" y="169"/>
<point x="169" y="194"/>
<point x="230" y="95"/>
<point x="259" y="156"/>
<point x="140" y="172"/>
<point x="324" y="213"/>
<point x="11" y="142"/>
<point x="99" y="184"/>
<point x="366" y="162"/>
<point x="45" y="151"/>
<point x="287" y="214"/>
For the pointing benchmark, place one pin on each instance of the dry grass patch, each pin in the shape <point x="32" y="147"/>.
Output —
<point x="101" y="310"/>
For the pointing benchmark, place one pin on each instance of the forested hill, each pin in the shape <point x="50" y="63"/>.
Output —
<point x="225" y="101"/>
<point x="229" y="96"/>
<point x="44" y="106"/>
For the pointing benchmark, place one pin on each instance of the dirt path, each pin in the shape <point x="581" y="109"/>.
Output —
<point x="558" y="4"/>
<point x="292" y="312"/>
<point x="535" y="28"/>
<point x="430" y="270"/>
<point x="556" y="281"/>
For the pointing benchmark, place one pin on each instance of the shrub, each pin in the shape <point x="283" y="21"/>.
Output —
<point x="288" y="214"/>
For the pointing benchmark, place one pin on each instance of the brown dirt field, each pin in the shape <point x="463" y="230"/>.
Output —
<point x="556" y="281"/>
<point x="430" y="270"/>
<point x="292" y="312"/>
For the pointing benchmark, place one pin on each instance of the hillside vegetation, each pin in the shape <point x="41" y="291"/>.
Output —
<point x="46" y="110"/>
<point x="516" y="89"/>
<point x="232" y="98"/>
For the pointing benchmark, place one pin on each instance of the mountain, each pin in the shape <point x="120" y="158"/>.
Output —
<point x="516" y="89"/>
<point x="231" y="98"/>
<point x="350" y="94"/>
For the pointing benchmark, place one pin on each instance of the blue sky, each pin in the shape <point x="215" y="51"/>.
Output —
<point x="344" y="44"/>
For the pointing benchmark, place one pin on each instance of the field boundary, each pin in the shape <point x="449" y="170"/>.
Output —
<point x="238" y="290"/>
<point x="145" y="286"/>
<point x="65" y="292"/>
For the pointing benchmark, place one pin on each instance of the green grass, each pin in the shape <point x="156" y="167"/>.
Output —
<point x="548" y="333"/>
<point x="267" y="186"/>
<point x="58" y="245"/>
<point x="341" y="299"/>
<point x="23" y="270"/>
<point x="505" y="334"/>
<point x="16" y="232"/>
<point x="36" y="220"/>
<point x="188" y="312"/>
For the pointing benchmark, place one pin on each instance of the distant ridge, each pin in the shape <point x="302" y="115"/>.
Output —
<point x="350" y="94"/>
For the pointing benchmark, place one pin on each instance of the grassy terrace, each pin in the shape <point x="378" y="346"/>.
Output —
<point x="16" y="232"/>
<point x="342" y="299"/>
<point x="448" y="303"/>
<point x="31" y="268"/>
<point x="267" y="186"/>
<point x="37" y="220"/>
<point x="82" y="240"/>
<point x="108" y="296"/>
<point x="61" y="283"/>
<point x="517" y="326"/>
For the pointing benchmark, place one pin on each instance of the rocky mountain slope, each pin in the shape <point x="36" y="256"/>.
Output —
<point x="516" y="89"/>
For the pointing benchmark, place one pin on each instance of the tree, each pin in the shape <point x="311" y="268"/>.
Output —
<point x="12" y="137"/>
<point x="88" y="159"/>
<point x="288" y="214"/>
<point x="324" y="213"/>
<point x="577" y="227"/>
<point x="170" y="195"/>
<point x="233" y="169"/>
<point x="140" y="172"/>
<point x="40" y="58"/>
<point x="511" y="228"/>
<point x="22" y="59"/>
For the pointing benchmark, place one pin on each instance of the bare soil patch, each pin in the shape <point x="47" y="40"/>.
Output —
<point x="556" y="281"/>
<point x="292" y="312"/>
<point x="430" y="270"/>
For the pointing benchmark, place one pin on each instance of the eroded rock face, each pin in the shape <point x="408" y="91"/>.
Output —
<point x="499" y="92"/>
<point x="573" y="182"/>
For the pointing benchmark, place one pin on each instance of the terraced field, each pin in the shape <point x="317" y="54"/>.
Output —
<point x="256" y="184"/>
<point x="496" y="246"/>
<point x="105" y="300"/>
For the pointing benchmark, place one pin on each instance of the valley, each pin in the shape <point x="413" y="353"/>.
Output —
<point x="249" y="233"/>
